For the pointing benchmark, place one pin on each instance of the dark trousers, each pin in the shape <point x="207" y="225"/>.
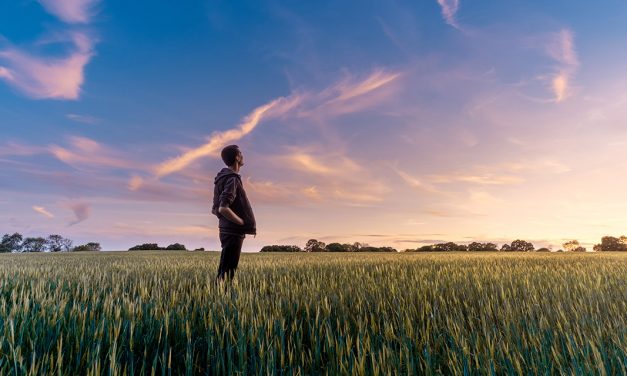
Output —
<point x="229" y="258"/>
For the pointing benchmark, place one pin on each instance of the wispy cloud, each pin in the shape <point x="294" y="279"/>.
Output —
<point x="415" y="182"/>
<point x="85" y="119"/>
<point x="43" y="77"/>
<point x="330" y="164"/>
<point x="351" y="94"/>
<point x="17" y="149"/>
<point x="561" y="48"/>
<point x="81" y="210"/>
<point x="70" y="11"/>
<point x="87" y="152"/>
<point x="338" y="98"/>
<point x="41" y="210"/>
<point x="486" y="179"/>
<point x="218" y="140"/>
<point x="449" y="11"/>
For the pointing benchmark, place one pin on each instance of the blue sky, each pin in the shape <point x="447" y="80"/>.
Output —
<point x="396" y="123"/>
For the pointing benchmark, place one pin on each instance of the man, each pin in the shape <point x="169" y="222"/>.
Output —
<point x="233" y="210"/>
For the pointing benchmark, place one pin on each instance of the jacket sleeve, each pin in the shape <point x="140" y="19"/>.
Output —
<point x="229" y="192"/>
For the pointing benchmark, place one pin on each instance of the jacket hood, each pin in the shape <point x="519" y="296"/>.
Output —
<point x="224" y="173"/>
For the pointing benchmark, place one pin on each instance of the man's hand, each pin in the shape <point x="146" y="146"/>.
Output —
<point x="230" y="215"/>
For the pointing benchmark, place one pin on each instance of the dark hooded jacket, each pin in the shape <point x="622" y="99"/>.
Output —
<point x="229" y="192"/>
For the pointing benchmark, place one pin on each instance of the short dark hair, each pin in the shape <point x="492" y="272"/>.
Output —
<point x="229" y="153"/>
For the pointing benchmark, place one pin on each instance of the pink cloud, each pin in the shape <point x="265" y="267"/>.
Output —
<point x="87" y="152"/>
<point x="70" y="11"/>
<point x="41" y="77"/>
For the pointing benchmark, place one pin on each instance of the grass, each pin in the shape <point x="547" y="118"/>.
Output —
<point x="293" y="313"/>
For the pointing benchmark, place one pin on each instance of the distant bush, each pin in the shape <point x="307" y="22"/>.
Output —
<point x="146" y="247"/>
<point x="376" y="249"/>
<point x="543" y="249"/>
<point x="89" y="247"/>
<point x="199" y="249"/>
<point x="176" y="247"/>
<point x="281" y="248"/>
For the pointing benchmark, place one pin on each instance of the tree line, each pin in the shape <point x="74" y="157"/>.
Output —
<point x="314" y="245"/>
<point x="16" y="243"/>
<point x="156" y="247"/>
<point x="608" y="244"/>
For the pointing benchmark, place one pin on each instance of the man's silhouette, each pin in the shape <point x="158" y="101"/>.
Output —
<point x="233" y="210"/>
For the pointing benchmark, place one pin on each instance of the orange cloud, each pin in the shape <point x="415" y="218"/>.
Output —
<point x="330" y="164"/>
<point x="41" y="210"/>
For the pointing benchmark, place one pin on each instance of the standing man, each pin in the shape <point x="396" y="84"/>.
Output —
<point x="233" y="210"/>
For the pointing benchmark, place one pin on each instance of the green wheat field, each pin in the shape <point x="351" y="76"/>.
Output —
<point x="159" y="313"/>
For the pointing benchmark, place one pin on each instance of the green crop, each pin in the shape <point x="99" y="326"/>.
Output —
<point x="158" y="313"/>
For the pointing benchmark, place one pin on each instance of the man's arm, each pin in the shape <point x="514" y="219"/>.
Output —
<point x="230" y="215"/>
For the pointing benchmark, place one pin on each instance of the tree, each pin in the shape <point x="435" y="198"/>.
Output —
<point x="336" y="247"/>
<point x="425" y="248"/>
<point x="573" y="246"/>
<point x="57" y="243"/>
<point x="612" y="244"/>
<point x="543" y="249"/>
<point x="89" y="247"/>
<point x="482" y="247"/>
<point x="358" y="246"/>
<point x="449" y="247"/>
<point x="506" y="248"/>
<point x="176" y="247"/>
<point x="34" y="244"/>
<point x="521" y="246"/>
<point x="314" y="245"/>
<point x="11" y="243"/>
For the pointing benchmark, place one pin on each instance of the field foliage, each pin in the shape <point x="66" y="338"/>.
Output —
<point x="311" y="313"/>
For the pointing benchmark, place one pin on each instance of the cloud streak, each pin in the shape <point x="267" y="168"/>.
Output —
<point x="561" y="48"/>
<point x="85" y="119"/>
<point x="87" y="152"/>
<point x="339" y="98"/>
<point x="216" y="141"/>
<point x="41" y="210"/>
<point x="449" y="12"/>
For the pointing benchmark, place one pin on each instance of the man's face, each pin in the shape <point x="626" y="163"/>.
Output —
<point x="240" y="157"/>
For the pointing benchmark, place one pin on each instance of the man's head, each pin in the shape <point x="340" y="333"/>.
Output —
<point x="232" y="155"/>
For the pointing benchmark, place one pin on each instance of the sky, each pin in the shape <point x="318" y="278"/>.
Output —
<point x="392" y="123"/>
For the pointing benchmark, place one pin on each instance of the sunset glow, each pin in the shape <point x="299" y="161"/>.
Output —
<point x="394" y="124"/>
